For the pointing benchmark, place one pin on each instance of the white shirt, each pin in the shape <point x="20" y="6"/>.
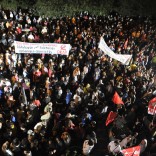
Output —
<point x="38" y="124"/>
<point x="25" y="73"/>
<point x="7" y="83"/>
<point x="77" y="96"/>
<point x="113" y="147"/>
<point x="14" y="57"/>
<point x="44" y="30"/>
<point x="11" y="15"/>
<point x="31" y="37"/>
<point x="45" y="116"/>
<point x="60" y="92"/>
<point x="79" y="90"/>
<point x="85" y="69"/>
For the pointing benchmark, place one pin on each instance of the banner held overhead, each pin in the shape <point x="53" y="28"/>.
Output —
<point x="42" y="48"/>
<point x="124" y="59"/>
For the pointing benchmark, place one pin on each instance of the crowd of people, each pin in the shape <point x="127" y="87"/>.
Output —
<point x="53" y="104"/>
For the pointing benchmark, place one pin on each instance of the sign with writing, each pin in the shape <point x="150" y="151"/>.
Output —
<point x="42" y="48"/>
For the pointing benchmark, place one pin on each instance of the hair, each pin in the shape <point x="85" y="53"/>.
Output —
<point x="91" y="142"/>
<point x="16" y="141"/>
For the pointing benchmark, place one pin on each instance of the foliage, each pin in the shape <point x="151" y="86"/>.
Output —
<point x="8" y="4"/>
<point x="70" y="7"/>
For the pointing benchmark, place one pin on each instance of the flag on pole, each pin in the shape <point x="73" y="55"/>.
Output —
<point x="152" y="106"/>
<point x="117" y="99"/>
<point x="133" y="151"/>
<point x="111" y="117"/>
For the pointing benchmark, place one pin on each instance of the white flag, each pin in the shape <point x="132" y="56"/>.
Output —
<point x="124" y="59"/>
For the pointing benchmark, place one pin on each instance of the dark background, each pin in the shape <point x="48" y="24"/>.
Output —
<point x="97" y="7"/>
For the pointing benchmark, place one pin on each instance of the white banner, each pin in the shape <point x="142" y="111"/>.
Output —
<point x="124" y="59"/>
<point x="42" y="48"/>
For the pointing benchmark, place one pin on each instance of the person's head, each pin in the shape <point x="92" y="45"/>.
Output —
<point x="144" y="142"/>
<point x="27" y="152"/>
<point x="15" y="142"/>
<point x="68" y="91"/>
<point x="90" y="142"/>
<point x="116" y="142"/>
<point x="65" y="135"/>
